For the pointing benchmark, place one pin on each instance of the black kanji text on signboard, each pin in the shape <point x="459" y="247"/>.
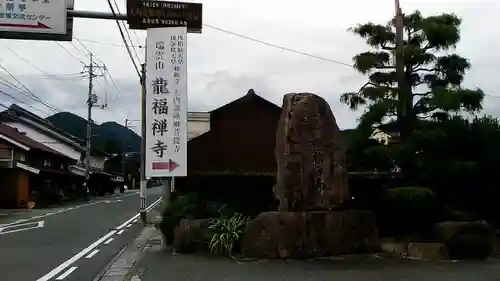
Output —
<point x="144" y="14"/>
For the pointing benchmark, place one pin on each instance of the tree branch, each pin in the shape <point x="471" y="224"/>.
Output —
<point x="422" y="94"/>
<point x="384" y="66"/>
<point x="376" y="85"/>
<point x="427" y="47"/>
<point x="387" y="48"/>
<point x="425" y="69"/>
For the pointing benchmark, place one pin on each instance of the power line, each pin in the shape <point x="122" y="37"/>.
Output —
<point x="240" y="36"/>
<point x="22" y="102"/>
<point x="109" y="43"/>
<point x="127" y="112"/>
<point x="124" y="40"/>
<point x="70" y="53"/>
<point x="277" y="46"/>
<point x="127" y="32"/>
<point x="48" y="105"/>
<point x="88" y="51"/>
<point x="105" y="69"/>
<point x="16" y="88"/>
<point x="36" y="67"/>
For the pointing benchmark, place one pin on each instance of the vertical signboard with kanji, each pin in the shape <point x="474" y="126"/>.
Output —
<point x="166" y="102"/>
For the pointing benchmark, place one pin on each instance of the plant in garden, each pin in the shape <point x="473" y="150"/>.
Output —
<point x="175" y="211"/>
<point x="227" y="232"/>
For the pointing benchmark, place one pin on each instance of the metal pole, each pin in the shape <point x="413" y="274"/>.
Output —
<point x="123" y="158"/>
<point x="89" y="124"/>
<point x="143" y="143"/>
<point x="167" y="185"/>
<point x="96" y="15"/>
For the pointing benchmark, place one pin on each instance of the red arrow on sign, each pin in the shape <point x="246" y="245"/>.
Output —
<point x="170" y="165"/>
<point x="38" y="25"/>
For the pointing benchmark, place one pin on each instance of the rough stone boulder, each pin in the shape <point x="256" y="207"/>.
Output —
<point x="192" y="235"/>
<point x="300" y="235"/>
<point x="311" y="158"/>
<point x="466" y="240"/>
<point x="496" y="243"/>
<point x="428" y="251"/>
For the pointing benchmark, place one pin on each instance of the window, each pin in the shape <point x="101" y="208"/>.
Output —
<point x="5" y="154"/>
<point x="46" y="162"/>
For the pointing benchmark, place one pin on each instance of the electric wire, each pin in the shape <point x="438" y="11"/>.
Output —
<point x="127" y="32"/>
<point x="125" y="40"/>
<point x="53" y="108"/>
<point x="22" y="102"/>
<point x="70" y="53"/>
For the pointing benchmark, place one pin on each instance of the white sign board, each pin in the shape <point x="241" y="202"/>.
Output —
<point x="34" y="16"/>
<point x="166" y="102"/>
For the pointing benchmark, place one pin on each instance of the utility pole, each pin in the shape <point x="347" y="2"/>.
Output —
<point x="89" y="122"/>
<point x="91" y="101"/>
<point x="124" y="149"/>
<point x="143" y="182"/>
<point x="125" y="154"/>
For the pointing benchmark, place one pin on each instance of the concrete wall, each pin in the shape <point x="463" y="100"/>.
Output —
<point x="96" y="162"/>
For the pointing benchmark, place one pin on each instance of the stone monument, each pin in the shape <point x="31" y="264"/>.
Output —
<point x="311" y="185"/>
<point x="312" y="169"/>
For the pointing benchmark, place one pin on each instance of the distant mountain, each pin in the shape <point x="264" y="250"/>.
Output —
<point x="110" y="137"/>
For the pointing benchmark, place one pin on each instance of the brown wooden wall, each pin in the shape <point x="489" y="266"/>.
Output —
<point x="241" y="140"/>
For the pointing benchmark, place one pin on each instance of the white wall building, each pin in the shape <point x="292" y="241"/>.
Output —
<point x="43" y="132"/>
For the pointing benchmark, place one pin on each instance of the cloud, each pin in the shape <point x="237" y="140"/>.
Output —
<point x="223" y="67"/>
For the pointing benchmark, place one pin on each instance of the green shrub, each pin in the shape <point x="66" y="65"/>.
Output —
<point x="411" y="210"/>
<point x="175" y="211"/>
<point x="227" y="233"/>
<point x="410" y="195"/>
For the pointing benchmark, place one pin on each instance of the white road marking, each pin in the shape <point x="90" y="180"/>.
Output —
<point x="109" y="241"/>
<point x="136" y="220"/>
<point x="128" y="225"/>
<point x="67" y="273"/>
<point x="91" y="247"/>
<point x="76" y="257"/>
<point x="39" y="224"/>
<point x="94" y="252"/>
<point x="64" y="210"/>
<point x="137" y="215"/>
<point x="120" y="232"/>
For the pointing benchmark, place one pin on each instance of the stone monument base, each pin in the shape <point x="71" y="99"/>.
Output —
<point x="301" y="235"/>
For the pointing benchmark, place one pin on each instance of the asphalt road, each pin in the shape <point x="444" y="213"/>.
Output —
<point x="73" y="243"/>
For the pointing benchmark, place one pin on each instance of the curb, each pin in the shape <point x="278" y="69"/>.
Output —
<point x="122" y="264"/>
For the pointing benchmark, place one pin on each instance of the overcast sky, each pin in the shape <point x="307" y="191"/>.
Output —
<point x="222" y="67"/>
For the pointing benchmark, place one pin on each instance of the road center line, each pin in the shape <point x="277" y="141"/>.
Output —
<point x="94" y="252"/>
<point x="109" y="240"/>
<point x="91" y="247"/>
<point x="64" y="210"/>
<point x="76" y="257"/>
<point x="137" y="215"/>
<point x="67" y="273"/>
